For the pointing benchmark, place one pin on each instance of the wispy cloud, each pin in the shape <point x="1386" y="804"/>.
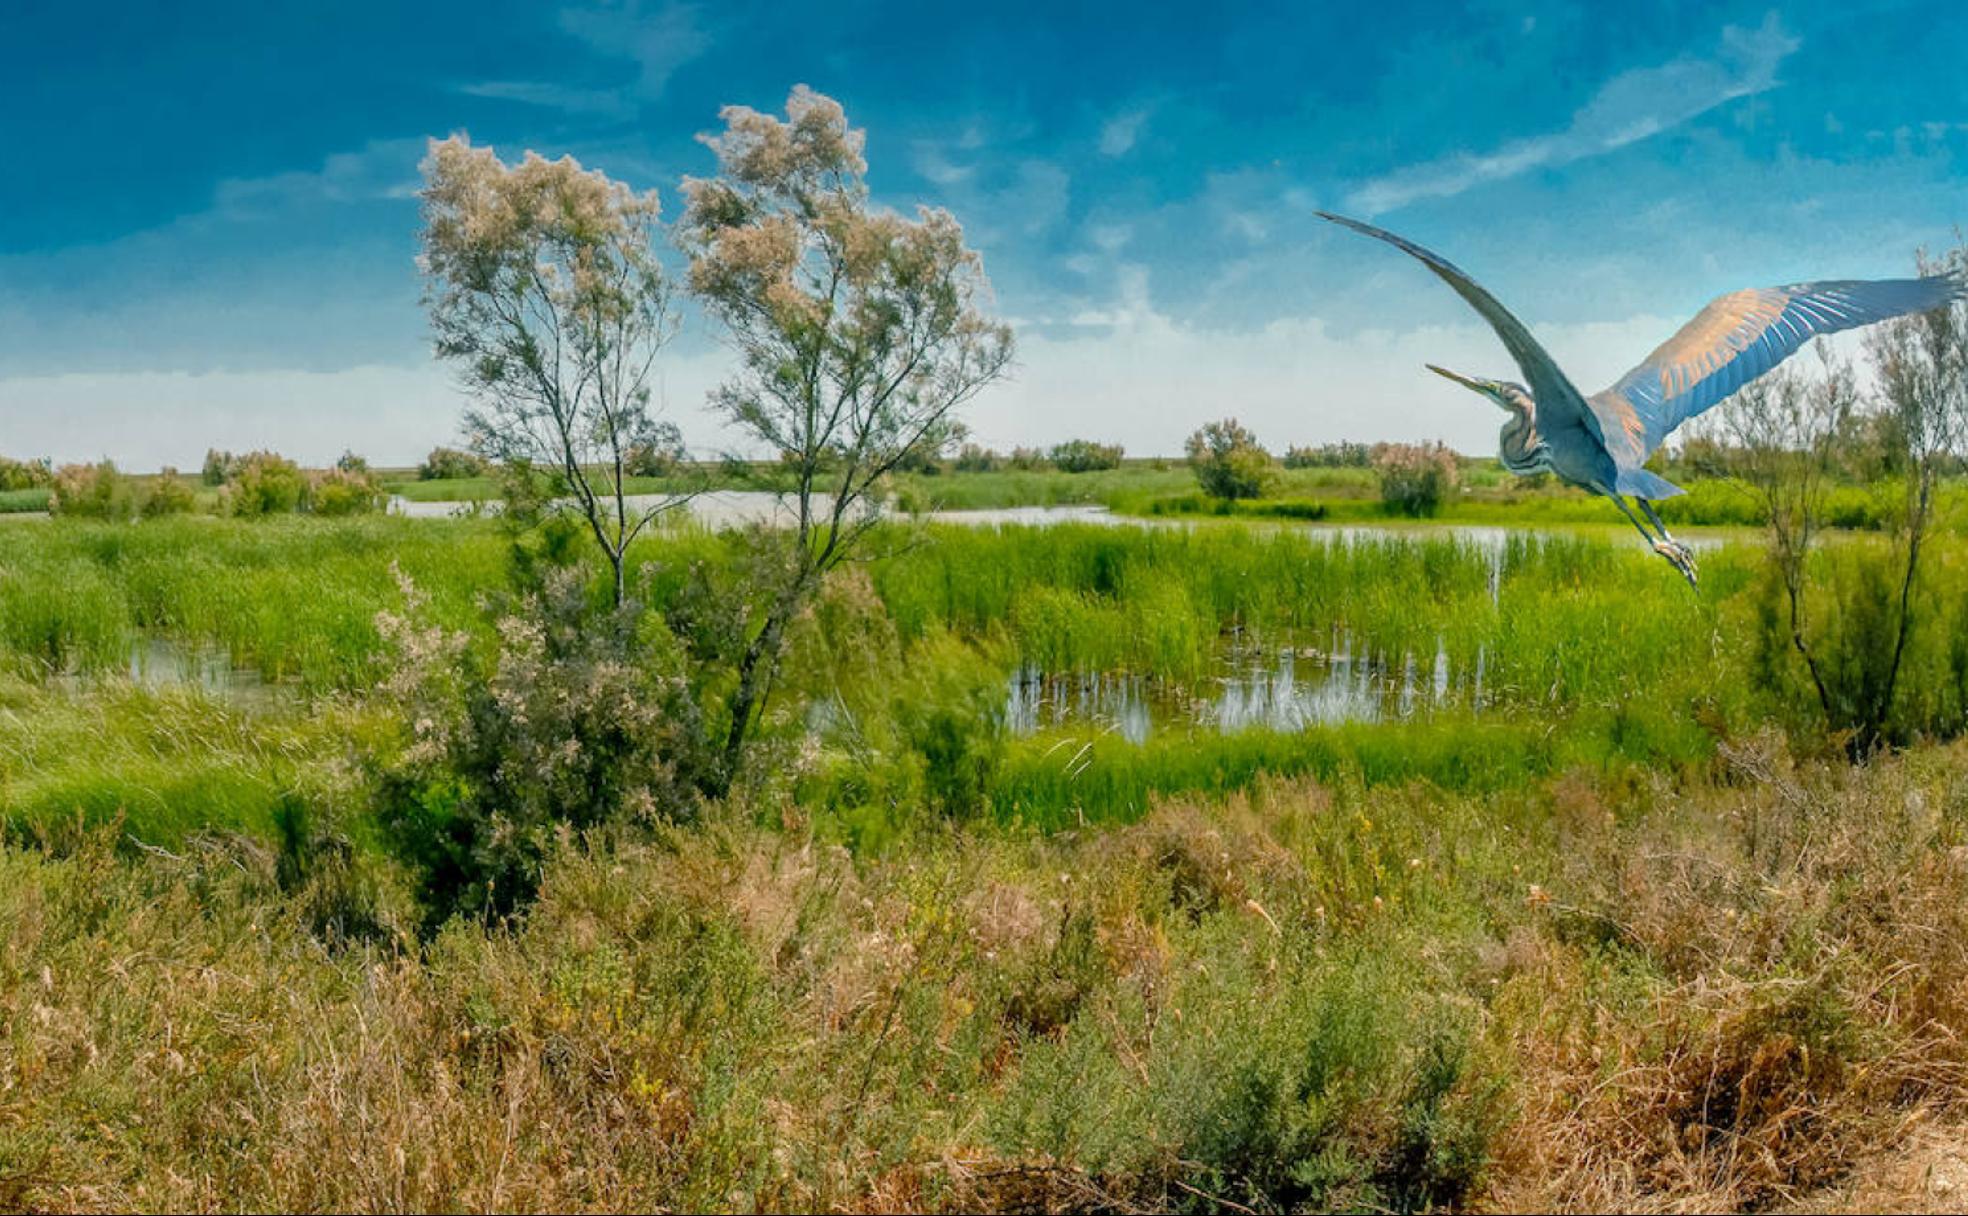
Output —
<point x="1628" y="108"/>
<point x="553" y="96"/>
<point x="659" y="38"/>
<point x="1119" y="134"/>
<point x="933" y="164"/>
<point x="1110" y="238"/>
<point x="382" y="169"/>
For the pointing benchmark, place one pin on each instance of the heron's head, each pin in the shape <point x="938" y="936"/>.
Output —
<point x="1513" y="397"/>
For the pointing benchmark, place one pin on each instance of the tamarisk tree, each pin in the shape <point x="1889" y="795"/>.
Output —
<point x="858" y="333"/>
<point x="545" y="292"/>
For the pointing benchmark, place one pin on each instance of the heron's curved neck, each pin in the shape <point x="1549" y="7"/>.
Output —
<point x="1522" y="451"/>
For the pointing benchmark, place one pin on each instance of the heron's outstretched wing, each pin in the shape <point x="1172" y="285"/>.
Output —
<point x="1740" y="336"/>
<point x="1562" y="414"/>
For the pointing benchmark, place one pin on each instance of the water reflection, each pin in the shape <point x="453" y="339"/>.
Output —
<point x="1112" y="701"/>
<point x="1282" y="688"/>
<point x="744" y="508"/>
<point x="164" y="663"/>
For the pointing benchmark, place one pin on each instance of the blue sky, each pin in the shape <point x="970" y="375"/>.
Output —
<point x="208" y="234"/>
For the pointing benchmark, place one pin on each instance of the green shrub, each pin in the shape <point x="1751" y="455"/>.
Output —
<point x="169" y="494"/>
<point x="267" y="483"/>
<point x="219" y="468"/>
<point x="25" y="474"/>
<point x="1228" y="461"/>
<point x="344" y="492"/>
<point x="1086" y="456"/>
<point x="450" y="464"/>
<point x="1343" y="455"/>
<point x="578" y="718"/>
<point x="1326" y="1080"/>
<point x="1713" y="502"/>
<point x="1415" y="478"/>
<point x="18" y="501"/>
<point x="972" y="458"/>
<point x="657" y="454"/>
<point x="1850" y="622"/>
<point x="93" y="491"/>
<point x="951" y="712"/>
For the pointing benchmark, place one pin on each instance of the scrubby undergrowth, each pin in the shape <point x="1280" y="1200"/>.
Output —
<point x="1594" y="992"/>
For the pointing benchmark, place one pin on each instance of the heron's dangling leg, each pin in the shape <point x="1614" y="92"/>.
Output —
<point x="1653" y="542"/>
<point x="1668" y="549"/>
<point x="1687" y="554"/>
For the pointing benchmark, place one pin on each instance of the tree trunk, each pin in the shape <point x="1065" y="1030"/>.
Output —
<point x="754" y="669"/>
<point x="1916" y="532"/>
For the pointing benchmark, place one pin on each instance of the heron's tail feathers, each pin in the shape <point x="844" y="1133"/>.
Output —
<point x="1639" y="483"/>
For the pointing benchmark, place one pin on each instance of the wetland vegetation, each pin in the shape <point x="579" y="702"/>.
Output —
<point x="936" y="950"/>
<point x="1370" y="830"/>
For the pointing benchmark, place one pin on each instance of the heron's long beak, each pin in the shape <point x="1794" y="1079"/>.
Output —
<point x="1446" y="374"/>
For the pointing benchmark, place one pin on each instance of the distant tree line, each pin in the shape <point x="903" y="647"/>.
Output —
<point x="25" y="474"/>
<point x="251" y="485"/>
<point x="1342" y="455"/>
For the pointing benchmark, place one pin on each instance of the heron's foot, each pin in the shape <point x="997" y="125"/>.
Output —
<point x="1680" y="557"/>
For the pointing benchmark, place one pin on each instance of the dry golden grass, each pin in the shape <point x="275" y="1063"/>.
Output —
<point x="1595" y="994"/>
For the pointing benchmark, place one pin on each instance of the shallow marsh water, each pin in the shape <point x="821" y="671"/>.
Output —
<point x="1281" y="687"/>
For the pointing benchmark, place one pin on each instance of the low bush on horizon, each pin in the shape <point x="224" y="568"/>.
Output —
<point x="92" y="491"/>
<point x="1228" y="461"/>
<point x="451" y="464"/>
<point x="1085" y="456"/>
<point x="17" y="475"/>
<point x="1415" y="479"/>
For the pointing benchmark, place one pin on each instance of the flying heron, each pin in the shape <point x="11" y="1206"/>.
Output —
<point x="1599" y="443"/>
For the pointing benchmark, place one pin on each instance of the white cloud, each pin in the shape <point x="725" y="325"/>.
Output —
<point x="659" y="39"/>
<point x="934" y="166"/>
<point x="552" y="96"/>
<point x="382" y="169"/>
<point x="1002" y="204"/>
<point x="1129" y="374"/>
<point x="1120" y="133"/>
<point x="1630" y="107"/>
<point x="1121" y="373"/>
<point x="392" y="415"/>
<point x="1110" y="238"/>
<point x="1039" y="193"/>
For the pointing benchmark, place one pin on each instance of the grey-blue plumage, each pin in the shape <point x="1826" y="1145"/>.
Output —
<point x="1599" y="443"/>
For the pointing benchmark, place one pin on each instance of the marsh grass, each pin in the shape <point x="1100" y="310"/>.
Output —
<point x="1554" y="620"/>
<point x="1065" y="780"/>
<point x="162" y="766"/>
<point x="293" y="598"/>
<point x="1588" y="655"/>
<point x="297" y="599"/>
<point x="17" y="501"/>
